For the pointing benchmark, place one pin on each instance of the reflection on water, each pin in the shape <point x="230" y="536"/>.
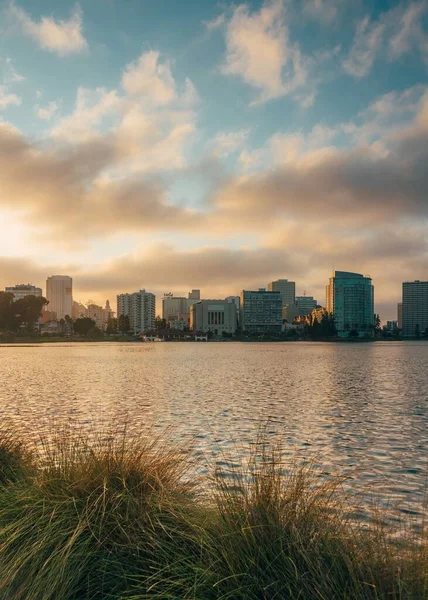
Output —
<point x="361" y="408"/>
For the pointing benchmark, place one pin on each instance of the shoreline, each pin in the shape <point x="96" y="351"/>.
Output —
<point x="32" y="341"/>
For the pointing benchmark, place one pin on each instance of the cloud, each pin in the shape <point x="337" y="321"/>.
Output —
<point x="215" y="23"/>
<point x="227" y="142"/>
<point x="10" y="74"/>
<point x="46" y="113"/>
<point x="367" y="42"/>
<point x="258" y="50"/>
<point x="325" y="11"/>
<point x="63" y="37"/>
<point x="66" y="194"/>
<point x="399" y="30"/>
<point x="353" y="185"/>
<point x="151" y="79"/>
<point x="408" y="31"/>
<point x="8" y="99"/>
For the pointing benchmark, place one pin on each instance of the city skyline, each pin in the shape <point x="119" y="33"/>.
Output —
<point x="153" y="145"/>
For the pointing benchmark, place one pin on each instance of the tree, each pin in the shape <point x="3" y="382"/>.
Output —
<point x="124" y="324"/>
<point x="84" y="325"/>
<point x="160" y="324"/>
<point x="353" y="334"/>
<point x="28" y="310"/>
<point x="95" y="332"/>
<point x="8" y="317"/>
<point x="69" y="323"/>
<point x="376" y="325"/>
<point x="417" y="330"/>
<point x="111" y="326"/>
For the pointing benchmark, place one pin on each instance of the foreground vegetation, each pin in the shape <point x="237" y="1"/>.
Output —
<point x="119" y="519"/>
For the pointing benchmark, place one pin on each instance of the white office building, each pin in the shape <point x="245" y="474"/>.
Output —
<point x="24" y="289"/>
<point x="59" y="293"/>
<point x="215" y="316"/>
<point x="140" y="308"/>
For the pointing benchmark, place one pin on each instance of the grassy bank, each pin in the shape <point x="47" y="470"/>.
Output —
<point x="116" y="519"/>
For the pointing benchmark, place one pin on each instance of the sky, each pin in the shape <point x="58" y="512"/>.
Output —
<point x="175" y="145"/>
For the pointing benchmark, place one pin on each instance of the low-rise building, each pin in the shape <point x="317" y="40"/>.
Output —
<point x="215" y="316"/>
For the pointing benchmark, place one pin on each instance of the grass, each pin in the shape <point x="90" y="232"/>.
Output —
<point x="121" y="519"/>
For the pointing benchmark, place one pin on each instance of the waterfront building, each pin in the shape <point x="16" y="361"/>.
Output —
<point x="99" y="314"/>
<point x="286" y="288"/>
<point x="290" y="312"/>
<point x="236" y="300"/>
<point x="192" y="297"/>
<point x="78" y="310"/>
<point x="172" y="306"/>
<point x="391" y="325"/>
<point x="305" y="305"/>
<point x="140" y="308"/>
<point x="350" y="297"/>
<point x="215" y="316"/>
<point x="24" y="289"/>
<point x="415" y="308"/>
<point x="302" y="306"/>
<point x="261" y="311"/>
<point x="400" y="315"/>
<point x="59" y="293"/>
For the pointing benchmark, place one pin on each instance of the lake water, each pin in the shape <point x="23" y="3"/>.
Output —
<point x="361" y="409"/>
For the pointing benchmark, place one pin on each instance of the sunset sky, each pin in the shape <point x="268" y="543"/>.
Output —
<point x="171" y="145"/>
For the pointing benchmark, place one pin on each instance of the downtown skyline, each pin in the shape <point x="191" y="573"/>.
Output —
<point x="157" y="146"/>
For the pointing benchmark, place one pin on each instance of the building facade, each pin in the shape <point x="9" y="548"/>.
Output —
<point x="59" y="293"/>
<point x="215" y="316"/>
<point x="415" y="308"/>
<point x="286" y="288"/>
<point x="173" y="306"/>
<point x="140" y="308"/>
<point x="24" y="289"/>
<point x="261" y="311"/>
<point x="302" y="306"/>
<point x="350" y="297"/>
<point x="99" y="314"/>
<point x="400" y="315"/>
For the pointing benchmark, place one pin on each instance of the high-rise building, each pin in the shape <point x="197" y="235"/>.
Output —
<point x="217" y="316"/>
<point x="400" y="315"/>
<point x="24" y="289"/>
<point x="172" y="306"/>
<point x="286" y="288"/>
<point x="140" y="308"/>
<point x="350" y="297"/>
<point x="415" y="308"/>
<point x="59" y="292"/>
<point x="261" y="311"/>
<point x="192" y="297"/>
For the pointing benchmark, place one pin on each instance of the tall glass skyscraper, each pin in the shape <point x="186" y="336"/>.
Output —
<point x="350" y="297"/>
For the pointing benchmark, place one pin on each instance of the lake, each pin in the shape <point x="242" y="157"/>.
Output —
<point x="360" y="409"/>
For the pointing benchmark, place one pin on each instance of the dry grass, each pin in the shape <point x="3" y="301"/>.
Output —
<point x="119" y="519"/>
